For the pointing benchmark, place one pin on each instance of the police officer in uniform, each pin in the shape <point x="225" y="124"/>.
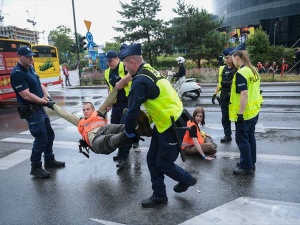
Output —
<point x="113" y="74"/>
<point x="161" y="101"/>
<point x="244" y="108"/>
<point x="226" y="74"/>
<point x="31" y="96"/>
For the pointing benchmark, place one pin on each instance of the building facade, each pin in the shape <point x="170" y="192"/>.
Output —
<point x="14" y="32"/>
<point x="279" y="18"/>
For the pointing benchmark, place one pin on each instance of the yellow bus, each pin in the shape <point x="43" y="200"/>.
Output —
<point x="46" y="64"/>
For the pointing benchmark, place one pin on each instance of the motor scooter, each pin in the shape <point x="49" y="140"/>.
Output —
<point x="186" y="87"/>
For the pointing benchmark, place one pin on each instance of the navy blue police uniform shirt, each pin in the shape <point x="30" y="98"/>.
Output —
<point x="142" y="89"/>
<point x="241" y="83"/>
<point x="113" y="79"/>
<point x="22" y="78"/>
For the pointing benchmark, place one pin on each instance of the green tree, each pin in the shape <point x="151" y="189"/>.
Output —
<point x="258" y="47"/>
<point x="112" y="46"/>
<point x="62" y="38"/>
<point x="140" y="25"/>
<point x="195" y="33"/>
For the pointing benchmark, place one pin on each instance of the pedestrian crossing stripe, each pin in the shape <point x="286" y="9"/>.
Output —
<point x="14" y="159"/>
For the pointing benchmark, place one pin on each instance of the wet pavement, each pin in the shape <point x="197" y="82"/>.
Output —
<point x="93" y="191"/>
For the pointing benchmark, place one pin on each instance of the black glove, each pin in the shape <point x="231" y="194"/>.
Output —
<point x="50" y="104"/>
<point x="49" y="98"/>
<point x="100" y="114"/>
<point x="213" y="99"/>
<point x="240" y="118"/>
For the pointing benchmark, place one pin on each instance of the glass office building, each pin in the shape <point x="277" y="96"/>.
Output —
<point x="279" y="18"/>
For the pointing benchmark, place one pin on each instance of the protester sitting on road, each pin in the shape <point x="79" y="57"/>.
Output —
<point x="260" y="68"/>
<point x="101" y="137"/>
<point x="273" y="68"/>
<point x="193" y="141"/>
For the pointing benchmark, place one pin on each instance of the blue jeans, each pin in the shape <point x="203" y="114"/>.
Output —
<point x="161" y="156"/>
<point x="245" y="139"/>
<point x="40" y="128"/>
<point x="226" y="123"/>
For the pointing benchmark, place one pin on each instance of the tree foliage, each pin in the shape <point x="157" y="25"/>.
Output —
<point x="112" y="46"/>
<point x="62" y="38"/>
<point x="140" y="25"/>
<point x="194" y="33"/>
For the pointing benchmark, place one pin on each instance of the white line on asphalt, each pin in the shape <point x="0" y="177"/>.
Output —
<point x="104" y="222"/>
<point x="14" y="159"/>
<point x="220" y="154"/>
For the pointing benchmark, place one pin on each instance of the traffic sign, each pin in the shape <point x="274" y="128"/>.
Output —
<point x="89" y="37"/>
<point x="90" y="47"/>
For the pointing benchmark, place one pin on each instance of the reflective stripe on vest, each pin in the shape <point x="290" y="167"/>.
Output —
<point x="254" y="96"/>
<point x="166" y="104"/>
<point x="187" y="140"/>
<point x="87" y="125"/>
<point x="121" y="72"/>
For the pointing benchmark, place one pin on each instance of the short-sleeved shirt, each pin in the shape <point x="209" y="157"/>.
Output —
<point x="21" y="79"/>
<point x="114" y="77"/>
<point x="241" y="83"/>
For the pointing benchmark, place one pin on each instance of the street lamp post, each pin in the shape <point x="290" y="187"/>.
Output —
<point x="275" y="24"/>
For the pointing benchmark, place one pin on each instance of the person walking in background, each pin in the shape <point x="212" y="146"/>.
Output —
<point x="161" y="101"/>
<point x="31" y="97"/>
<point x="193" y="142"/>
<point x="67" y="75"/>
<point x="226" y="74"/>
<point x="244" y="108"/>
<point x="112" y="75"/>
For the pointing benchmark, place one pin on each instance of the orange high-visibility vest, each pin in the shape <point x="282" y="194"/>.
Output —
<point x="87" y="125"/>
<point x="187" y="140"/>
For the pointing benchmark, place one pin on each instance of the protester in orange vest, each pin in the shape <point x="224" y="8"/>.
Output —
<point x="101" y="137"/>
<point x="193" y="142"/>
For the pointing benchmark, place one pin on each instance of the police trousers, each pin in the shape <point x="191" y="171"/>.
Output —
<point x="161" y="156"/>
<point x="245" y="140"/>
<point x="40" y="128"/>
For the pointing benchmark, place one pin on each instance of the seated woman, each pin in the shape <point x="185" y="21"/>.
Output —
<point x="193" y="142"/>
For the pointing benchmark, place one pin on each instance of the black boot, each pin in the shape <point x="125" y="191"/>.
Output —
<point x="38" y="171"/>
<point x="52" y="163"/>
<point x="226" y="139"/>
<point x="180" y="187"/>
<point x="153" y="201"/>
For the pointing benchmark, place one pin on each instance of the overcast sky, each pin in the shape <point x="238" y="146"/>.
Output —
<point x="103" y="14"/>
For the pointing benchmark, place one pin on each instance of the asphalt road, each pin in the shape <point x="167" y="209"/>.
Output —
<point x="93" y="191"/>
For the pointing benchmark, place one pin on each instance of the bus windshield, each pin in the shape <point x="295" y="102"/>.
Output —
<point x="46" y="64"/>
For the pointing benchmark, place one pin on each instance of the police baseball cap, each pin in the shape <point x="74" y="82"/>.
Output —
<point x="133" y="49"/>
<point x="111" y="54"/>
<point x="227" y="51"/>
<point x="25" y="51"/>
<point x="239" y="47"/>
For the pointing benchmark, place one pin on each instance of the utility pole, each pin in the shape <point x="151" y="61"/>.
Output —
<point x="76" y="42"/>
<point x="275" y="24"/>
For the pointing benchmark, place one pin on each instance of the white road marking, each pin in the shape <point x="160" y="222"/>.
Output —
<point x="259" y="211"/>
<point x="14" y="159"/>
<point x="106" y="222"/>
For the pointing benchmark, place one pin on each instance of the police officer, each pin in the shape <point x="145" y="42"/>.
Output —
<point x="224" y="87"/>
<point x="31" y="96"/>
<point x="113" y="74"/>
<point x="244" y="108"/>
<point x="161" y="101"/>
